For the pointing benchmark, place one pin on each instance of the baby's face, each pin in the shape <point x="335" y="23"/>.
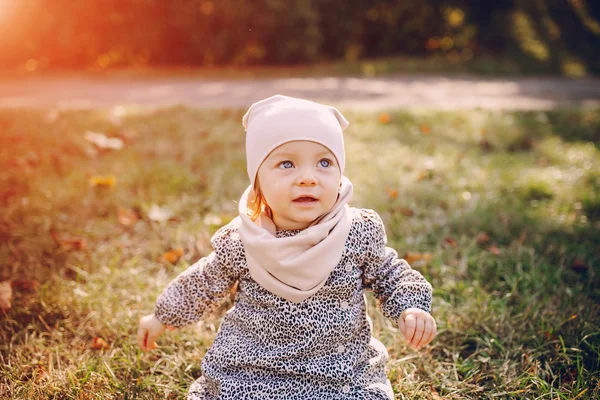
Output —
<point x="300" y="182"/>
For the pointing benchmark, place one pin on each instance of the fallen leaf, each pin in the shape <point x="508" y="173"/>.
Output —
<point x="392" y="193"/>
<point x="485" y="145"/>
<point x="99" y="344"/>
<point x="38" y="372"/>
<point x="127" y="216"/>
<point x="451" y="241"/>
<point x="416" y="259"/>
<point x="5" y="296"/>
<point x="103" y="142"/>
<point x="494" y="250"/>
<point x="385" y="118"/>
<point x="75" y="243"/>
<point x="159" y="214"/>
<point x="482" y="238"/>
<point x="173" y="256"/>
<point x="103" y="181"/>
<point x="406" y="212"/>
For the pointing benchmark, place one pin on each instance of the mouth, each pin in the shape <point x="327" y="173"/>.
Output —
<point x="305" y="199"/>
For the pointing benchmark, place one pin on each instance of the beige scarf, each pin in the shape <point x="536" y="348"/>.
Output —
<point x="296" y="267"/>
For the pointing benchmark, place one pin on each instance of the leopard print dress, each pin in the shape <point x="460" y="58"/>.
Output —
<point x="271" y="348"/>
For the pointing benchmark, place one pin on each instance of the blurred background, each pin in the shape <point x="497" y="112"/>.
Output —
<point x="514" y="36"/>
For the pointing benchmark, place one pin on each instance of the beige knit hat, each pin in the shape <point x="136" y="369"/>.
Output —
<point x="279" y="119"/>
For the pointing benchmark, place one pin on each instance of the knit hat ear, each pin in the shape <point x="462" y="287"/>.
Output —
<point x="341" y="119"/>
<point x="276" y="120"/>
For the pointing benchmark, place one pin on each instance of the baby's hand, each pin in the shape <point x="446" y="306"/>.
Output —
<point x="417" y="326"/>
<point x="150" y="328"/>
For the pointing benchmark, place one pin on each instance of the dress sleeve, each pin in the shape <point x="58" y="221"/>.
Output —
<point x="394" y="283"/>
<point x="202" y="287"/>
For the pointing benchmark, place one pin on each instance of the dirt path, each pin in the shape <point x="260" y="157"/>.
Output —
<point x="395" y="92"/>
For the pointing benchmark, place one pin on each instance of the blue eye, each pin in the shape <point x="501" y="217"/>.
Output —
<point x="325" y="163"/>
<point x="286" y="164"/>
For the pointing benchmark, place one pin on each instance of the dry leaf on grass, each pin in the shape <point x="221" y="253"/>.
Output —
<point x="103" y="181"/>
<point x="482" y="238"/>
<point x="99" y="344"/>
<point x="392" y="193"/>
<point x="5" y="296"/>
<point x="494" y="250"/>
<point x="385" y="118"/>
<point x="172" y="256"/>
<point x="407" y="212"/>
<point x="75" y="243"/>
<point x="450" y="241"/>
<point x="127" y="216"/>
<point x="416" y="259"/>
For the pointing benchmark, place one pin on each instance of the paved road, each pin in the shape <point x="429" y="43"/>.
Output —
<point x="394" y="92"/>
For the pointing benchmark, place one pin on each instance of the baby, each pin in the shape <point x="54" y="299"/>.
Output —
<point x="303" y="259"/>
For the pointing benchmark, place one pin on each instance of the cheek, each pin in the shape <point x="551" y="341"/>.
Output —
<point x="331" y="193"/>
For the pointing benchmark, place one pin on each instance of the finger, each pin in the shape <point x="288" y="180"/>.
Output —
<point x="151" y="342"/>
<point x="411" y="325"/>
<point x="427" y="337"/>
<point x="432" y="331"/>
<point x="141" y="335"/>
<point x="416" y="341"/>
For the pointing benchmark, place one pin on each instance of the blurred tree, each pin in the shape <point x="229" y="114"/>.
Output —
<point x="557" y="35"/>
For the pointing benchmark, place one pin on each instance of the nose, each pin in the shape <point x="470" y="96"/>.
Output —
<point x="306" y="177"/>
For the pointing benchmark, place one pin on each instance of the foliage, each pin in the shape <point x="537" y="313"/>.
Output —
<point x="539" y="35"/>
<point x="92" y="230"/>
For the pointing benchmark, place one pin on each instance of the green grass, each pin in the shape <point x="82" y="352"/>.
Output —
<point x="500" y="211"/>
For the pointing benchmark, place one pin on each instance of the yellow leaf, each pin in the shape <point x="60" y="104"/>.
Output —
<point x="103" y="181"/>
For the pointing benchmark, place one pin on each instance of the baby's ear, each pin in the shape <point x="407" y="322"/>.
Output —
<point x="341" y="119"/>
